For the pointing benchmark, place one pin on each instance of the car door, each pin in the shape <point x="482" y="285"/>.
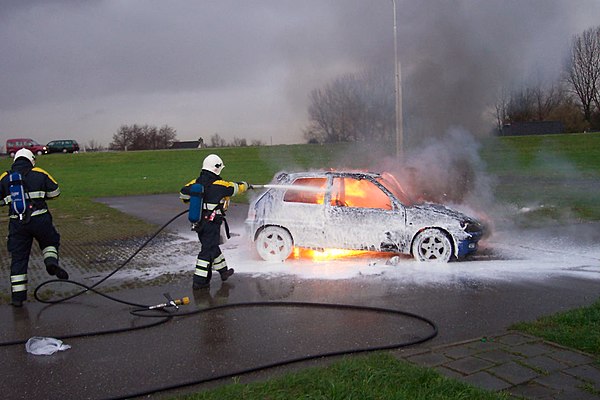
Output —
<point x="302" y="211"/>
<point x="359" y="214"/>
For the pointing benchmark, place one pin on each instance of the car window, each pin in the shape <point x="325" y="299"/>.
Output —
<point x="361" y="193"/>
<point x="310" y="190"/>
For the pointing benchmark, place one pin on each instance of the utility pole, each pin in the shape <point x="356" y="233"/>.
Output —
<point x="399" y="132"/>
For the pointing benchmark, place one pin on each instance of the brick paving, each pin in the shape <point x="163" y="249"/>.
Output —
<point x="521" y="365"/>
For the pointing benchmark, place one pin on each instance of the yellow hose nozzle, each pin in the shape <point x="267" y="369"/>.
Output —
<point x="184" y="301"/>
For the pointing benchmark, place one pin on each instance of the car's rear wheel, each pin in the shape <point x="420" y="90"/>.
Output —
<point x="432" y="245"/>
<point x="274" y="243"/>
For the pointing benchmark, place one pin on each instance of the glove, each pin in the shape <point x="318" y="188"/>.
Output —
<point x="244" y="184"/>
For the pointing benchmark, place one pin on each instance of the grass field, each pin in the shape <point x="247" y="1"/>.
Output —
<point x="562" y="171"/>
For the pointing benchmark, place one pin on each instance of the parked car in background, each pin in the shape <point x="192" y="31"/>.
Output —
<point x="13" y="145"/>
<point x="63" y="146"/>
<point x="355" y="211"/>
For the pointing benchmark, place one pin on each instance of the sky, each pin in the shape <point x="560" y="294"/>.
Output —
<point x="79" y="70"/>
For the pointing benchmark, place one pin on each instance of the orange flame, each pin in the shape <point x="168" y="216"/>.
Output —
<point x="328" y="254"/>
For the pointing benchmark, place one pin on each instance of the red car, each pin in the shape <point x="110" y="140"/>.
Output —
<point x="13" y="145"/>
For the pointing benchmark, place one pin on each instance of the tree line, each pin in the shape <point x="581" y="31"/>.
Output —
<point x="358" y="107"/>
<point x="147" y="137"/>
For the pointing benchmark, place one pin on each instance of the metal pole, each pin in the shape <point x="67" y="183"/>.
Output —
<point x="399" y="133"/>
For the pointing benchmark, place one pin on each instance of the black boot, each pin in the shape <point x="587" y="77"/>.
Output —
<point x="226" y="274"/>
<point x="17" y="303"/>
<point x="54" y="269"/>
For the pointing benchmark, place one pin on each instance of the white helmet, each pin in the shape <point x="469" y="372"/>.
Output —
<point x="213" y="163"/>
<point x="26" y="154"/>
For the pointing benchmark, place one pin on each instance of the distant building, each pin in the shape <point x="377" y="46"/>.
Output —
<point x="532" y="128"/>
<point x="189" y="144"/>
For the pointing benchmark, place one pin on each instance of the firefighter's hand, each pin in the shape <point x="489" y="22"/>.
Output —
<point x="244" y="186"/>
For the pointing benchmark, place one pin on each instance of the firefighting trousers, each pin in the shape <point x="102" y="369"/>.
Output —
<point x="20" y="240"/>
<point x="210" y="256"/>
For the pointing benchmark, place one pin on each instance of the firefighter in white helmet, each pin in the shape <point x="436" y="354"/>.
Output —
<point x="30" y="187"/>
<point x="217" y="194"/>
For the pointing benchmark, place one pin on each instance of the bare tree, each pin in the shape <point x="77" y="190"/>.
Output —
<point x="537" y="102"/>
<point x="257" y="142"/>
<point x="217" y="141"/>
<point x="351" y="108"/>
<point x="122" y="140"/>
<point x="583" y="70"/>
<point x="143" y="137"/>
<point x="93" y="145"/>
<point x="501" y="109"/>
<point x="239" y="142"/>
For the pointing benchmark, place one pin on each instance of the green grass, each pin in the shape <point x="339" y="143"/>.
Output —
<point x="559" y="172"/>
<point x="579" y="328"/>
<point x="379" y="376"/>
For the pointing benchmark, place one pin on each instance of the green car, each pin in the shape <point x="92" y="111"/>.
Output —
<point x="62" y="146"/>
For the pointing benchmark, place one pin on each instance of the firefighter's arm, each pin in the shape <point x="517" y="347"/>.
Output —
<point x="231" y="188"/>
<point x="3" y="197"/>
<point x="184" y="193"/>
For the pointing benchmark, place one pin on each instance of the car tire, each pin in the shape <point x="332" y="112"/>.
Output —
<point x="39" y="152"/>
<point x="64" y="150"/>
<point x="432" y="245"/>
<point x="274" y="243"/>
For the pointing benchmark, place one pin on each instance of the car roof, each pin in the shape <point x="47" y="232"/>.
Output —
<point x="324" y="173"/>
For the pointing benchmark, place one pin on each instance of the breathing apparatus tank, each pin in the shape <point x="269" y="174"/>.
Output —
<point x="196" y="200"/>
<point x="18" y="200"/>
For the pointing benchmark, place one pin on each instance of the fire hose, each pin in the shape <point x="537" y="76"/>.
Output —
<point x="166" y="311"/>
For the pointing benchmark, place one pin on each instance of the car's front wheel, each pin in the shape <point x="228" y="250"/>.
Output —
<point x="432" y="245"/>
<point x="274" y="243"/>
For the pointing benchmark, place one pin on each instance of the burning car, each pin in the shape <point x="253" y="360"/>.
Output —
<point x="355" y="211"/>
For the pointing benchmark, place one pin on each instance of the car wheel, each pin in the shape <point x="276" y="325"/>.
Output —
<point x="12" y="154"/>
<point x="64" y="150"/>
<point x="39" y="152"/>
<point x="432" y="245"/>
<point x="274" y="243"/>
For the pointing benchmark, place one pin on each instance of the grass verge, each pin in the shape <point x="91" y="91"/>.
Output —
<point x="376" y="376"/>
<point x="578" y="329"/>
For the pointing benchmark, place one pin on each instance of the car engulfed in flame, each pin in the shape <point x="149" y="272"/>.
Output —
<point x="356" y="211"/>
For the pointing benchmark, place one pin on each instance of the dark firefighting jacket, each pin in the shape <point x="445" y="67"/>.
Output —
<point x="39" y="186"/>
<point x="217" y="193"/>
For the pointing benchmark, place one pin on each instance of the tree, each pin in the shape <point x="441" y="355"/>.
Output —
<point x="217" y="141"/>
<point x="583" y="70"/>
<point x="539" y="101"/>
<point x="143" y="137"/>
<point x="93" y="145"/>
<point x="239" y="142"/>
<point x="351" y="108"/>
<point x="257" y="142"/>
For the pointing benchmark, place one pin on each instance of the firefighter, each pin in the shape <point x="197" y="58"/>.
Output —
<point x="35" y="223"/>
<point x="217" y="194"/>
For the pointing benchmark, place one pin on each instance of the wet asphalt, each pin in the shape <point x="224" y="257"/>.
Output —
<point x="221" y="342"/>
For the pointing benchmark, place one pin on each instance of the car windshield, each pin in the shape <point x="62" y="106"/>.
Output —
<point x="390" y="182"/>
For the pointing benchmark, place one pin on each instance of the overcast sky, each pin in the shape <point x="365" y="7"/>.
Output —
<point x="244" y="68"/>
